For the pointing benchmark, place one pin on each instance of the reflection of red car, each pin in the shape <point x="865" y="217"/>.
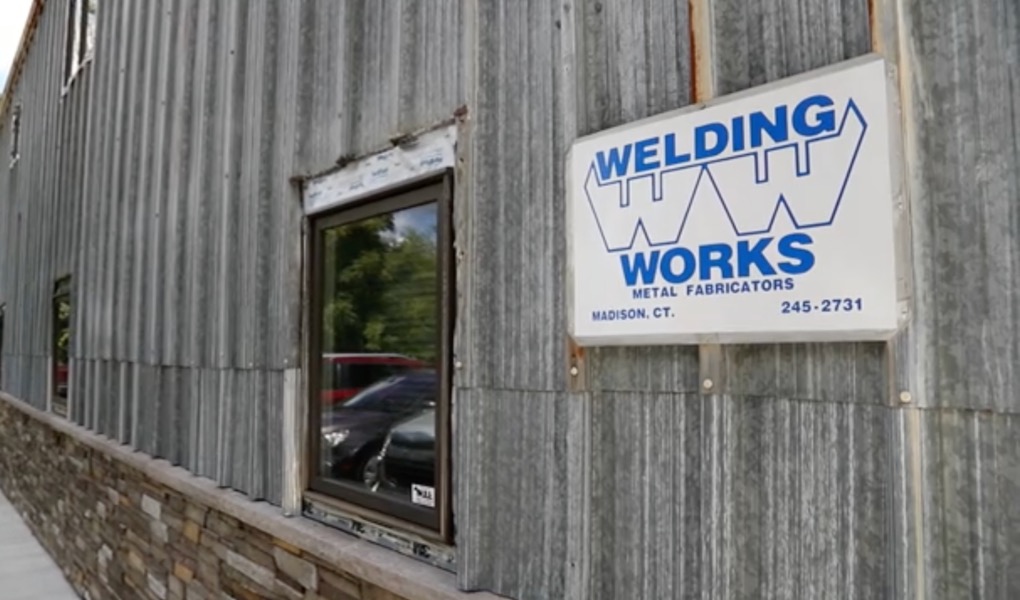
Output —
<point x="344" y="375"/>
<point x="60" y="380"/>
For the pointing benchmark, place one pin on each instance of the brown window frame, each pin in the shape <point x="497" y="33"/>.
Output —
<point x="434" y="525"/>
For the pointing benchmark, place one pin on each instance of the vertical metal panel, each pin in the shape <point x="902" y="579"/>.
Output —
<point x="972" y="517"/>
<point x="965" y="61"/>
<point x="516" y="513"/>
<point x="752" y="44"/>
<point x="161" y="181"/>
<point x="515" y="338"/>
<point x="759" y="42"/>
<point x="738" y="497"/>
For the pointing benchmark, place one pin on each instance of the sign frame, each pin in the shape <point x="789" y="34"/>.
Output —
<point x="896" y="308"/>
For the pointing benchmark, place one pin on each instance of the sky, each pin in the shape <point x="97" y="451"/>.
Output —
<point x="13" y="14"/>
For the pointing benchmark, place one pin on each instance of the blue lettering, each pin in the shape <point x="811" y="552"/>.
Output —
<point x="776" y="130"/>
<point x="748" y="255"/>
<point x="672" y="158"/>
<point x="616" y="163"/>
<point x="738" y="133"/>
<point x="825" y="120"/>
<point x="644" y="155"/>
<point x="701" y="149"/>
<point x="804" y="258"/>
<point x="643" y="267"/>
<point x="667" y="265"/>
<point x="718" y="256"/>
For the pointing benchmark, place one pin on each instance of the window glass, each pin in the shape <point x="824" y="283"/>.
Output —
<point x="90" y="27"/>
<point x="15" y="133"/>
<point x="61" y="345"/>
<point x="380" y="342"/>
<point x="81" y="35"/>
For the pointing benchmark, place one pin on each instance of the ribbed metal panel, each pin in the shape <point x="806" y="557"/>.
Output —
<point x="966" y="106"/>
<point x="754" y="43"/>
<point x="161" y="182"/>
<point x="738" y="498"/>
<point x="970" y="464"/>
<point x="520" y="504"/>
<point x="796" y="482"/>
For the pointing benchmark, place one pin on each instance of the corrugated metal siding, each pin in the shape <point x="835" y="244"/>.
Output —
<point x="798" y="480"/>
<point x="966" y="77"/>
<point x="973" y="519"/>
<point x="161" y="181"/>
<point x="731" y="497"/>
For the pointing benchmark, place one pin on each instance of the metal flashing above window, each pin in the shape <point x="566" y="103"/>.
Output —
<point x="424" y="156"/>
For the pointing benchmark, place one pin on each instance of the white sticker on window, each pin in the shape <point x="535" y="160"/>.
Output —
<point x="424" y="495"/>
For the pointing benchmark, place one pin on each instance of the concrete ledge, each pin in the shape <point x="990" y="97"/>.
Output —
<point x="393" y="572"/>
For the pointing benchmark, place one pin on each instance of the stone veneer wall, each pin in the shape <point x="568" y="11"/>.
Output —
<point x="119" y="532"/>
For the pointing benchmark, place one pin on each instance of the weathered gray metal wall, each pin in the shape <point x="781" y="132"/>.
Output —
<point x="161" y="182"/>
<point x="800" y="474"/>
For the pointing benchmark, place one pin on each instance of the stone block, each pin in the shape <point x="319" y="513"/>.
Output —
<point x="196" y="513"/>
<point x="159" y="532"/>
<point x="192" y="531"/>
<point x="135" y="561"/>
<point x="297" y="568"/>
<point x="157" y="587"/>
<point x="334" y="586"/>
<point x="151" y="506"/>
<point x="183" y="572"/>
<point x="175" y="588"/>
<point x="255" y="572"/>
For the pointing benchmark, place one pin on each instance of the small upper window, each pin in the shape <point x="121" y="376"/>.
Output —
<point x="15" y="133"/>
<point x="81" y="35"/>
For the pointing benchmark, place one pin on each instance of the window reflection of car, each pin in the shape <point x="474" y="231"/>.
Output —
<point x="353" y="433"/>
<point x="60" y="380"/>
<point x="346" y="374"/>
<point x="409" y="453"/>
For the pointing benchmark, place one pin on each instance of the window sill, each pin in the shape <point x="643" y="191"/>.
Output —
<point x="408" y="539"/>
<point x="382" y="567"/>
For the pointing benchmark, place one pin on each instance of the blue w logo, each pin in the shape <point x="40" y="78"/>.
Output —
<point x="807" y="179"/>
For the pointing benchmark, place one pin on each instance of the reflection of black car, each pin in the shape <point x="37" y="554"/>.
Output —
<point x="354" y="432"/>
<point x="409" y="456"/>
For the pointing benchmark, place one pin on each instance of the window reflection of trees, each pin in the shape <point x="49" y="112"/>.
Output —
<point x="381" y="287"/>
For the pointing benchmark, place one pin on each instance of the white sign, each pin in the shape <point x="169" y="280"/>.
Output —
<point x="765" y="216"/>
<point x="423" y="495"/>
<point x="430" y="153"/>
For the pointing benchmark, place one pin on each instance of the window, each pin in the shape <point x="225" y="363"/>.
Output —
<point x="382" y="285"/>
<point x="81" y="36"/>
<point x="61" y="345"/>
<point x="15" y="133"/>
